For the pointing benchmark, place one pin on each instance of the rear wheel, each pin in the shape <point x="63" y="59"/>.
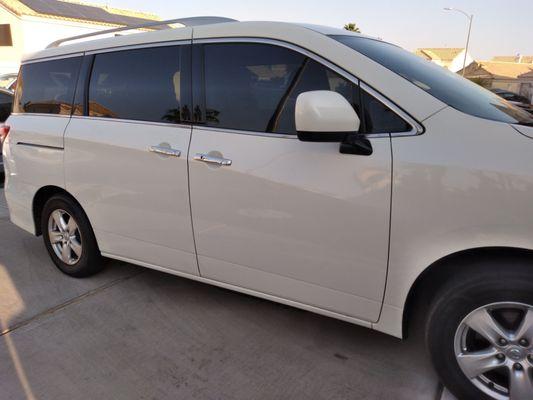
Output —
<point x="480" y="333"/>
<point x="69" y="238"/>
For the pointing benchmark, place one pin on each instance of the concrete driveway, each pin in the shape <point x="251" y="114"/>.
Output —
<point x="132" y="333"/>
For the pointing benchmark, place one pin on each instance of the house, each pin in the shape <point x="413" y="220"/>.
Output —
<point x="516" y="59"/>
<point x="30" y="25"/>
<point x="451" y="58"/>
<point x="515" y="77"/>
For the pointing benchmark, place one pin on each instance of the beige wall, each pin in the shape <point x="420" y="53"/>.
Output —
<point x="510" y="85"/>
<point x="40" y="32"/>
<point x="32" y="33"/>
<point x="10" y="55"/>
<point x="520" y="86"/>
<point x="526" y="89"/>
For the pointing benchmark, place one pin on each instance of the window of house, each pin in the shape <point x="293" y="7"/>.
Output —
<point x="47" y="87"/>
<point x="5" y="35"/>
<point x="141" y="84"/>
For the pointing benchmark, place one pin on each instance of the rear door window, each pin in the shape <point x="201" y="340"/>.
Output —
<point x="140" y="84"/>
<point x="47" y="87"/>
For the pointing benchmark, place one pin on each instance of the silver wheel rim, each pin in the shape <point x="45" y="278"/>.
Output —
<point x="494" y="349"/>
<point x="65" y="237"/>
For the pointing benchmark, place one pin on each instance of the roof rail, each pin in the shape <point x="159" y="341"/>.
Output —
<point x="191" y="21"/>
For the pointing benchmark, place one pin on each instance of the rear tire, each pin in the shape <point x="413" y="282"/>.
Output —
<point x="484" y="313"/>
<point x="69" y="238"/>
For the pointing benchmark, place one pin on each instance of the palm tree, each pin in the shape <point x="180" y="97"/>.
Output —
<point x="352" y="27"/>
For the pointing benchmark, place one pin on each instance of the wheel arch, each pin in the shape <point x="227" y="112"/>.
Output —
<point x="39" y="200"/>
<point x="439" y="272"/>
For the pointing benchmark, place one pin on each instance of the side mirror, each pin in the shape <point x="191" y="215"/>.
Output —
<point x="324" y="116"/>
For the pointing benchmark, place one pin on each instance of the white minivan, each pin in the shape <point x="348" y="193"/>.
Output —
<point x="307" y="165"/>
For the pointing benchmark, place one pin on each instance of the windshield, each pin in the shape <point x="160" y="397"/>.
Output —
<point x="7" y="79"/>
<point x="446" y="86"/>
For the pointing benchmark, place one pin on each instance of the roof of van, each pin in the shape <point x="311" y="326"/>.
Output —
<point x="242" y="29"/>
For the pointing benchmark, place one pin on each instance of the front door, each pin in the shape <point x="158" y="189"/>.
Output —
<point x="126" y="161"/>
<point x="275" y="215"/>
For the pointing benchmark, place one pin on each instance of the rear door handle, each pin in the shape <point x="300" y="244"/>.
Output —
<point x="167" y="151"/>
<point x="212" y="159"/>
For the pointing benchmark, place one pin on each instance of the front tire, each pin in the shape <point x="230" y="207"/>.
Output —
<point x="480" y="332"/>
<point x="69" y="238"/>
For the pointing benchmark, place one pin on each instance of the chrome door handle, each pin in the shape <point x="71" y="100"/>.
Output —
<point x="212" y="159"/>
<point x="167" y="151"/>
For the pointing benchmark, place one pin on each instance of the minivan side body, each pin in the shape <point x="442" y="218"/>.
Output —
<point x="302" y="164"/>
<point x="310" y="229"/>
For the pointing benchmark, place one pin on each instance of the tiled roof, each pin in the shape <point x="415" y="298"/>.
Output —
<point x="77" y="11"/>
<point x="499" y="69"/>
<point x="439" y="53"/>
<point x="521" y="59"/>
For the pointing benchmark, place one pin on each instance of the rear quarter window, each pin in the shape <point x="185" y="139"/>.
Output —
<point x="47" y="87"/>
<point x="140" y="84"/>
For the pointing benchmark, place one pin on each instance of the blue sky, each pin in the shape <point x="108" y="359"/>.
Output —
<point x="501" y="27"/>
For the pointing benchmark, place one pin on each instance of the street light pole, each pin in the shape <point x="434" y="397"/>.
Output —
<point x="470" y="18"/>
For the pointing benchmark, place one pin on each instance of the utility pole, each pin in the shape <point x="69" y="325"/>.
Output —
<point x="470" y="18"/>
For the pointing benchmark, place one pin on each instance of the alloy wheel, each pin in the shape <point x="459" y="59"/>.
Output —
<point x="494" y="349"/>
<point x="65" y="237"/>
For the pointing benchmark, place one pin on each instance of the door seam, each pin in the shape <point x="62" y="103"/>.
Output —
<point x="190" y="203"/>
<point x="387" y="270"/>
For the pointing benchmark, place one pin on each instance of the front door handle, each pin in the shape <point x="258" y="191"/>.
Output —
<point x="167" y="151"/>
<point x="212" y="159"/>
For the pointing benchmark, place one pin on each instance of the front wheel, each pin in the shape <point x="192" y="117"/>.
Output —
<point x="480" y="333"/>
<point x="69" y="238"/>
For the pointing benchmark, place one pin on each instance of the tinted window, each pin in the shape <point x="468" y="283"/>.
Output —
<point x="379" y="118"/>
<point x="47" y="87"/>
<point x="446" y="86"/>
<point x="375" y="117"/>
<point x="515" y="97"/>
<point x="246" y="82"/>
<point x="142" y="84"/>
<point x="255" y="86"/>
<point x="5" y="98"/>
<point x="6" y="101"/>
<point x="314" y="76"/>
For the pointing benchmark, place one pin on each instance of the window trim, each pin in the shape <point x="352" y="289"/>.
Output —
<point x="417" y="128"/>
<point x="139" y="46"/>
<point x="248" y="133"/>
<point x="53" y="58"/>
<point x="130" y="121"/>
<point x="82" y="85"/>
<point x="40" y="115"/>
